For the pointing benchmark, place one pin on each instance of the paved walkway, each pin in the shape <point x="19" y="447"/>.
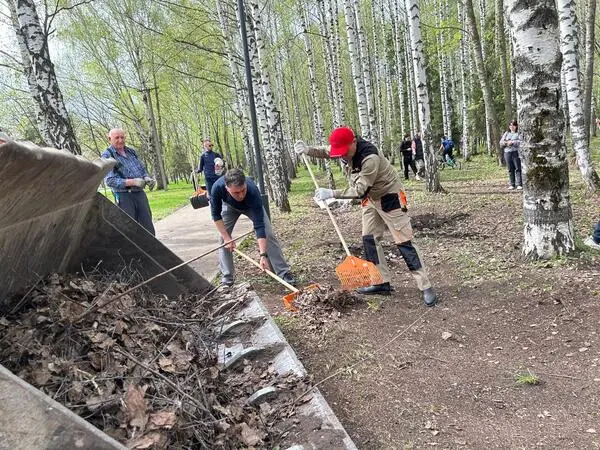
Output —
<point x="189" y="232"/>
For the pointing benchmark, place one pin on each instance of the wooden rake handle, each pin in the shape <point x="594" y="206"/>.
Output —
<point x="271" y="274"/>
<point x="333" y="221"/>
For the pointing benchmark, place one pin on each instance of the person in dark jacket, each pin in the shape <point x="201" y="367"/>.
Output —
<point x="376" y="182"/>
<point x="418" y="157"/>
<point x="407" y="156"/>
<point x="235" y="194"/>
<point x="206" y="165"/>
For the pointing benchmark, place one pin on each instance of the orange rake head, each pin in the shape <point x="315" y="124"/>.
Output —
<point x="354" y="272"/>
<point x="288" y="300"/>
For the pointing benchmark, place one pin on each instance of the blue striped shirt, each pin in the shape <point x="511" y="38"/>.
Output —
<point x="128" y="166"/>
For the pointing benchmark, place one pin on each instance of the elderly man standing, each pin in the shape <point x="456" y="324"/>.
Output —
<point x="127" y="180"/>
<point x="235" y="194"/>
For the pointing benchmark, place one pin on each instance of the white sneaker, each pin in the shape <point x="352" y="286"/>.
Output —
<point x="589" y="241"/>
<point x="417" y="177"/>
<point x="510" y="188"/>
<point x="519" y="188"/>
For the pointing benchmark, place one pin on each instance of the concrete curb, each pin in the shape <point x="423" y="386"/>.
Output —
<point x="266" y="335"/>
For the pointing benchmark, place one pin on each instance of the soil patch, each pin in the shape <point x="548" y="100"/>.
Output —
<point x="508" y="359"/>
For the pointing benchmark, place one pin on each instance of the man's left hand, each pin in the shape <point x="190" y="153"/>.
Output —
<point x="150" y="182"/>
<point x="322" y="194"/>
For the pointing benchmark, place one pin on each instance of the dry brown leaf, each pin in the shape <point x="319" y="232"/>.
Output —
<point x="152" y="440"/>
<point x="166" y="364"/>
<point x="162" y="419"/>
<point x="250" y="436"/>
<point x="136" y="407"/>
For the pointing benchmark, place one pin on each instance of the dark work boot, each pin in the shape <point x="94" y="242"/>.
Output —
<point x="429" y="297"/>
<point x="380" y="289"/>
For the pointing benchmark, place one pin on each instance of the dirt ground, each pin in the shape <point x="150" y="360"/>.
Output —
<point x="509" y="358"/>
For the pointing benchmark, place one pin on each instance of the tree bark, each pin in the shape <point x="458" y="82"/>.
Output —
<point x="490" y="113"/>
<point x="432" y="182"/>
<point x="570" y="69"/>
<point x="588" y="77"/>
<point x="548" y="226"/>
<point x="53" y="119"/>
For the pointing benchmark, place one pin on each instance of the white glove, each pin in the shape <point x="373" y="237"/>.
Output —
<point x="300" y="147"/>
<point x="322" y="194"/>
<point x="150" y="182"/>
<point x="138" y="182"/>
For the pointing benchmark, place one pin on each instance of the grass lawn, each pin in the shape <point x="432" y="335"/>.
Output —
<point x="166" y="202"/>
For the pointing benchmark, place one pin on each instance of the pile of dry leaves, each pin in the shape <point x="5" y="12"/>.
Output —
<point x="318" y="305"/>
<point x="142" y="368"/>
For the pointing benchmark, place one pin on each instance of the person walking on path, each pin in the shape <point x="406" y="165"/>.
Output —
<point x="127" y="180"/>
<point x="375" y="181"/>
<point x="210" y="164"/>
<point x="511" y="142"/>
<point x="235" y="194"/>
<point x="418" y="157"/>
<point x="407" y="156"/>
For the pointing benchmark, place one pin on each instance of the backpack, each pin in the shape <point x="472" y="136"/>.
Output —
<point x="448" y="144"/>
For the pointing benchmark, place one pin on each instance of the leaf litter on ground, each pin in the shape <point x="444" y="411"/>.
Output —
<point x="144" y="368"/>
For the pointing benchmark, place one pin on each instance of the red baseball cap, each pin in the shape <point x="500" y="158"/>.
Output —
<point x="340" y="139"/>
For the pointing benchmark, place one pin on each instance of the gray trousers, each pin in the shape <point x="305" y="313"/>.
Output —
<point x="135" y="204"/>
<point x="276" y="259"/>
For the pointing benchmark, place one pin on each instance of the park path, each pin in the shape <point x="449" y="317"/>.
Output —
<point x="189" y="232"/>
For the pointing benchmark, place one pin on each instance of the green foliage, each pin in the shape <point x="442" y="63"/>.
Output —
<point x="526" y="378"/>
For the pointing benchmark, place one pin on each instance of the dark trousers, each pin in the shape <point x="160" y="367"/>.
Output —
<point x="596" y="234"/>
<point x="209" y="184"/>
<point x="407" y="160"/>
<point x="135" y="204"/>
<point x="513" y="163"/>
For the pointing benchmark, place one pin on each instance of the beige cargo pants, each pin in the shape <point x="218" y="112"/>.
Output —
<point x="374" y="223"/>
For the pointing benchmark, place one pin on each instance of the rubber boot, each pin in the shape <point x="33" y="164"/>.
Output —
<point x="429" y="297"/>
<point x="379" y="289"/>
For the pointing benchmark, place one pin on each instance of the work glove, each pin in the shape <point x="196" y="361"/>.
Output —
<point x="300" y="147"/>
<point x="150" y="182"/>
<point x="138" y="182"/>
<point x="322" y="194"/>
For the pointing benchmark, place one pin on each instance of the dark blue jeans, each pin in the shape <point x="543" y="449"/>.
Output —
<point x="513" y="163"/>
<point x="209" y="184"/>
<point x="596" y="234"/>
<point x="135" y="204"/>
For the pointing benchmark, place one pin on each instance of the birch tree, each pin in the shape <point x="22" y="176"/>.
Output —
<point x="53" y="120"/>
<point x="432" y="181"/>
<point x="548" y="226"/>
<point x="588" y="76"/>
<point x="491" y="117"/>
<point x="354" y="55"/>
<point x="570" y="71"/>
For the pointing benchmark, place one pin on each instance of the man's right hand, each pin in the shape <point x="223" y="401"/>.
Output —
<point x="230" y="244"/>
<point x="137" y="182"/>
<point x="300" y="148"/>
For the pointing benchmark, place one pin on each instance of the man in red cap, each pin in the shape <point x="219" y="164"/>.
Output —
<point x="375" y="181"/>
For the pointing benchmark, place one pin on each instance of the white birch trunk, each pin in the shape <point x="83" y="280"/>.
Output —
<point x="488" y="100"/>
<point x="366" y="73"/>
<point x="432" y="182"/>
<point x="464" y="55"/>
<point x="588" y="76"/>
<point x="548" y="226"/>
<point x="53" y="119"/>
<point x="570" y="70"/>
<point x="354" y="55"/>
<point x="379" y="74"/>
<point x="273" y="146"/>
<point x="336" y="46"/>
<point x="397" y="18"/>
